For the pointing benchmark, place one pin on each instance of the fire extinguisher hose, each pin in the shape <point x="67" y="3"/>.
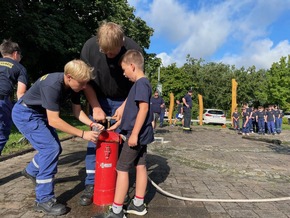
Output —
<point x="216" y="200"/>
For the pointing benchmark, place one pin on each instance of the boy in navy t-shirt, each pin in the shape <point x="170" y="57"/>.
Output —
<point x="37" y="115"/>
<point x="270" y="119"/>
<point x="236" y="119"/>
<point x="136" y="126"/>
<point x="260" y="118"/>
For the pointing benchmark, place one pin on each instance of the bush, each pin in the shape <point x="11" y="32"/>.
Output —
<point x="285" y="120"/>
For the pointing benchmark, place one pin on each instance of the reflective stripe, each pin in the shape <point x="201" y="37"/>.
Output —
<point x="43" y="181"/>
<point x="34" y="163"/>
<point x="90" y="171"/>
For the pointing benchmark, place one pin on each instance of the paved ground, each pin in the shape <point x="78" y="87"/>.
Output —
<point x="206" y="164"/>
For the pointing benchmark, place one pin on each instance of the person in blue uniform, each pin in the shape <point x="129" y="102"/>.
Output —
<point x="278" y="122"/>
<point x="270" y="119"/>
<point x="157" y="104"/>
<point x="187" y="106"/>
<point x="111" y="88"/>
<point x="260" y="118"/>
<point x="245" y="121"/>
<point x="37" y="114"/>
<point x="11" y="73"/>
<point x="136" y="126"/>
<point x="236" y="119"/>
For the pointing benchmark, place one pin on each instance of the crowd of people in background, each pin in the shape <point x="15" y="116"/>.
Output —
<point x="183" y="110"/>
<point x="263" y="121"/>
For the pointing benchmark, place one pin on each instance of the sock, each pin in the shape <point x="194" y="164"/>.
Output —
<point x="138" y="201"/>
<point x="117" y="208"/>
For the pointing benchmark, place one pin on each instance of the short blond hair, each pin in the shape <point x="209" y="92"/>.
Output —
<point x="135" y="57"/>
<point x="110" y="36"/>
<point x="79" y="70"/>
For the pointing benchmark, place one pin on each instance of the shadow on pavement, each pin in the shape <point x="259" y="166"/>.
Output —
<point x="10" y="177"/>
<point x="158" y="170"/>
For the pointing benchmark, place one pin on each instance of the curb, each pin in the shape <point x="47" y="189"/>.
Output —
<point x="6" y="157"/>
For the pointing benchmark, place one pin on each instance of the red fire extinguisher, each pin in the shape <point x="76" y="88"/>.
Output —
<point x="105" y="170"/>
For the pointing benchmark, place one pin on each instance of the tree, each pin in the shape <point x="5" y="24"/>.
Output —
<point x="278" y="83"/>
<point x="51" y="33"/>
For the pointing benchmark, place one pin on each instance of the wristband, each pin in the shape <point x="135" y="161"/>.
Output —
<point x="83" y="134"/>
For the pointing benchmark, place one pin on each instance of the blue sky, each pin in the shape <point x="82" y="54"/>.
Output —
<point x="234" y="32"/>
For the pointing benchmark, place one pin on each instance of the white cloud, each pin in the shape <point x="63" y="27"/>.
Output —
<point x="202" y="31"/>
<point x="261" y="54"/>
<point x="166" y="59"/>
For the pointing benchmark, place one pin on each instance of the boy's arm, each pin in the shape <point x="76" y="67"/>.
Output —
<point x="141" y="116"/>
<point x="98" y="113"/>
<point x="56" y="122"/>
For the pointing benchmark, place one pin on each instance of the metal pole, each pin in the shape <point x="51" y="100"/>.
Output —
<point x="158" y="74"/>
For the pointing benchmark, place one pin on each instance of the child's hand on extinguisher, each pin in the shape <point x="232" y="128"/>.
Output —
<point x="97" y="127"/>
<point x="114" y="126"/>
<point x="90" y="136"/>
<point x="133" y="139"/>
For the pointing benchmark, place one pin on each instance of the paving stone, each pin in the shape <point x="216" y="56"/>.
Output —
<point x="208" y="164"/>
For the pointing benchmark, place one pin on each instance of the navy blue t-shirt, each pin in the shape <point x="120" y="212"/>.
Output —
<point x="276" y="113"/>
<point x="155" y="104"/>
<point x="245" y="115"/>
<point x="11" y="72"/>
<point x="236" y="115"/>
<point x="179" y="106"/>
<point x="250" y="112"/>
<point x="49" y="93"/>
<point x="260" y="114"/>
<point x="188" y="100"/>
<point x="140" y="92"/>
<point x="109" y="81"/>
<point x="270" y="115"/>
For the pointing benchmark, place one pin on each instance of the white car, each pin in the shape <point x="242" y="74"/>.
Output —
<point x="287" y="114"/>
<point x="214" y="116"/>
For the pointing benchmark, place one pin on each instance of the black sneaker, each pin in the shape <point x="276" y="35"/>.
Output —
<point x="51" y="207"/>
<point x="28" y="176"/>
<point x="87" y="195"/>
<point x="111" y="214"/>
<point x="140" y="210"/>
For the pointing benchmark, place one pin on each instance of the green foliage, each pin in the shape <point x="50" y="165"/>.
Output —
<point x="51" y="33"/>
<point x="17" y="142"/>
<point x="278" y="84"/>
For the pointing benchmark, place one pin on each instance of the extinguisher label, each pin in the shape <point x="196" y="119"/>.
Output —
<point x="106" y="165"/>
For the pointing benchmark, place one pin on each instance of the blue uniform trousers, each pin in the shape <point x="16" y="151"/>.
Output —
<point x="236" y="124"/>
<point x="187" y="117"/>
<point x="250" y="125"/>
<point x="44" y="139"/>
<point x="278" y="125"/>
<point x="261" y="125"/>
<point x="109" y="106"/>
<point x="5" y="121"/>
<point x="271" y="127"/>
<point x="245" y="129"/>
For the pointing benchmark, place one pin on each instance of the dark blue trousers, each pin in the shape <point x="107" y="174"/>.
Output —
<point x="5" y="121"/>
<point x="271" y="127"/>
<point x="44" y="139"/>
<point x="261" y="125"/>
<point x="187" y="117"/>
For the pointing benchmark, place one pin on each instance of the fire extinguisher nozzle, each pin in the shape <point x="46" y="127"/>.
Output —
<point x="123" y="137"/>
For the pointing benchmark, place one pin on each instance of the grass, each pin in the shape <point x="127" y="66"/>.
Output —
<point x="17" y="143"/>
